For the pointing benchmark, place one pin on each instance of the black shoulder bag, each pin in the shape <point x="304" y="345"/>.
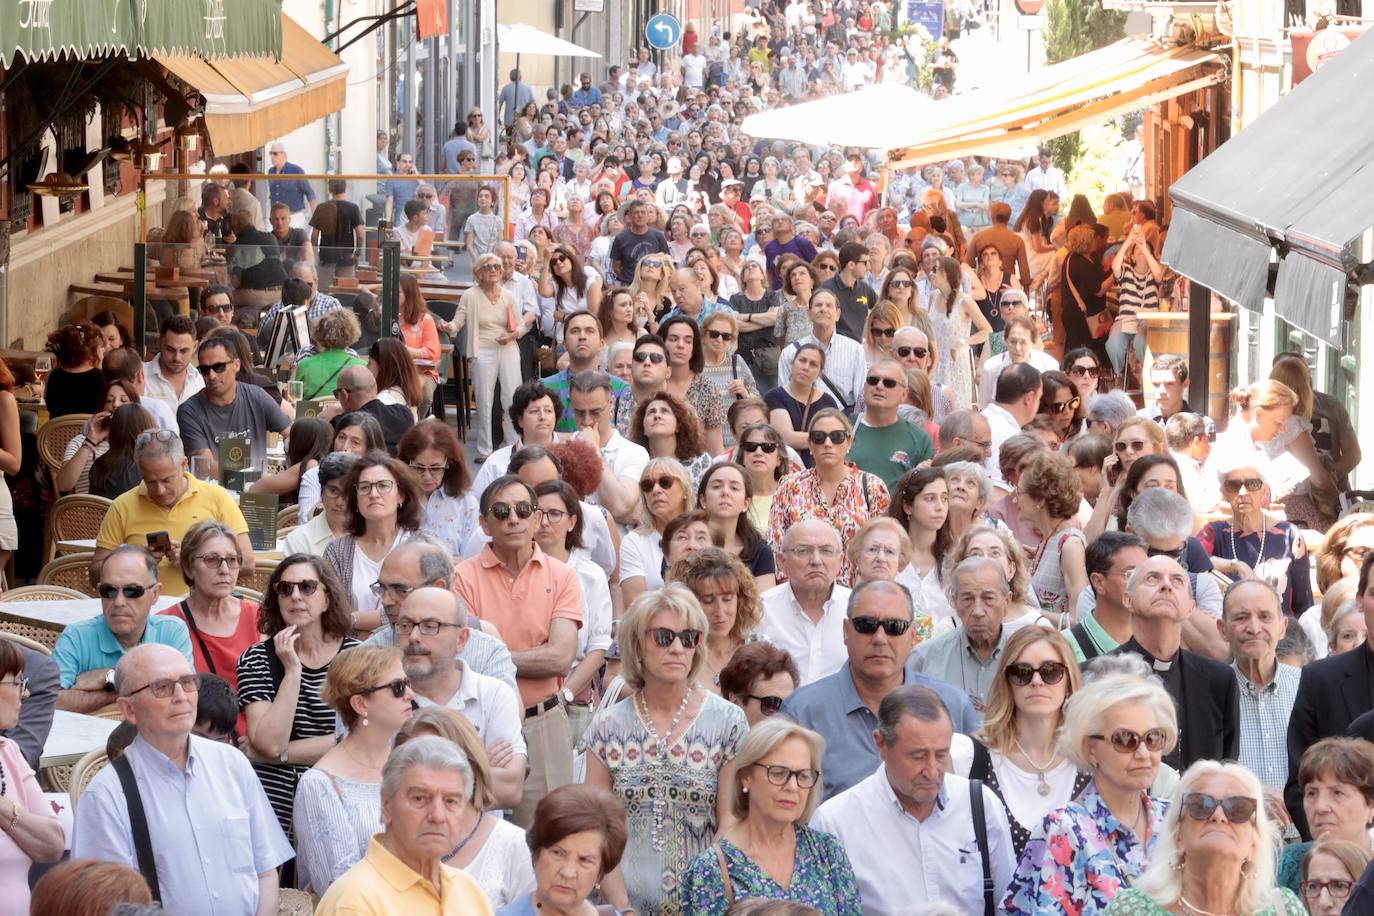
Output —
<point x="138" y="825"/>
<point x="980" y="833"/>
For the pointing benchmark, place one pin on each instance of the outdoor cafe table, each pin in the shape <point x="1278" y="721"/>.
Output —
<point x="72" y="736"/>
<point x="63" y="613"/>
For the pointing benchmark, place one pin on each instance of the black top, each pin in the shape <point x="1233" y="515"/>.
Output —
<point x="749" y="341"/>
<point x="1086" y="276"/>
<point x="982" y="768"/>
<point x="394" y="419"/>
<point x="628" y="248"/>
<point x="855" y="303"/>
<point x="342" y="218"/>
<point x="68" y="392"/>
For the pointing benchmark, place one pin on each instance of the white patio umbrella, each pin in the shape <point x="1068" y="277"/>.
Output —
<point x="521" y="38"/>
<point x="869" y="118"/>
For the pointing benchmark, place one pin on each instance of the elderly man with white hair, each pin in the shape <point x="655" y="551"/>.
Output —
<point x="190" y="805"/>
<point x="805" y="614"/>
<point x="426" y="784"/>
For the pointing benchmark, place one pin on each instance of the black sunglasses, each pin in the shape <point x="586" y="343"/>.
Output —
<point x="1238" y="808"/>
<point x="818" y="436"/>
<point x="885" y="332"/>
<point x="767" y="448"/>
<point x="827" y="267"/>
<point x="1251" y="485"/>
<point x="720" y="335"/>
<point x="899" y="284"/>
<point x="867" y="626"/>
<point x="918" y="352"/>
<point x="502" y="511"/>
<point x="643" y="357"/>
<point x="1089" y="371"/>
<point x="664" y="483"/>
<point x="663" y="637"/>
<point x="215" y="368"/>
<point x="285" y="589"/>
<point x="875" y="380"/>
<point x="1126" y="741"/>
<point x="1060" y="406"/>
<point x="1021" y="673"/>
<point x="108" y="591"/>
<point x="768" y="705"/>
<point x="397" y="687"/>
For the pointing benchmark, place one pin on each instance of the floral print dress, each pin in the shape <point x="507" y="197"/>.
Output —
<point x="1080" y="858"/>
<point x="822" y="877"/>
<point x="859" y="497"/>
<point x="1134" y="902"/>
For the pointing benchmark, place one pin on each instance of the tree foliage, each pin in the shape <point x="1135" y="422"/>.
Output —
<point x="1074" y="27"/>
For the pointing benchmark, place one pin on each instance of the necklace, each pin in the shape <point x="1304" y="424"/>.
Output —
<point x="1259" y="558"/>
<point x="3" y="784"/>
<point x="1197" y="909"/>
<point x="481" y="816"/>
<point x="1044" y="787"/>
<point x="660" y="755"/>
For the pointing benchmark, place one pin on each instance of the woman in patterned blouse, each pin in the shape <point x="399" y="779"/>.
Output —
<point x="834" y="491"/>
<point x="1081" y="856"/>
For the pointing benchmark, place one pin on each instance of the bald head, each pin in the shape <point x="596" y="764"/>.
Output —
<point x="359" y="387"/>
<point x="437" y="603"/>
<point x="133" y="670"/>
<point x="1159" y="590"/>
<point x="811" y="528"/>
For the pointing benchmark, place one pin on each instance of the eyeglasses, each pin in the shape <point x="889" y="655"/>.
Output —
<point x="554" y="516"/>
<point x="1081" y="371"/>
<point x="380" y="487"/>
<point x="1058" y="407"/>
<point x="767" y="448"/>
<point x="1338" y="889"/>
<point x="1233" y="486"/>
<point x="215" y="368"/>
<point x="214" y="561"/>
<point x="108" y="592"/>
<point x="502" y="511"/>
<point x="873" y="551"/>
<point x="663" y="637"/>
<point x="162" y="689"/>
<point x="1238" y="809"/>
<point x="889" y="333"/>
<point x="208" y="309"/>
<point x="867" y="626"/>
<point x="398" y="687"/>
<point x="380" y="588"/>
<point x="644" y="357"/>
<point x="720" y="335"/>
<point x="425" y="196"/>
<point x="875" y="380"/>
<point x="769" y="706"/>
<point x="556" y="260"/>
<point x="1138" y="445"/>
<point x="780" y="776"/>
<point x="1126" y="741"/>
<point x="827" y="267"/>
<point x="306" y="587"/>
<point x="1181" y="554"/>
<point x="23" y="684"/>
<point x="910" y="352"/>
<point x="835" y="436"/>
<point x="663" y="483"/>
<point x="901" y="284"/>
<point x="435" y="469"/>
<point x="1020" y="673"/>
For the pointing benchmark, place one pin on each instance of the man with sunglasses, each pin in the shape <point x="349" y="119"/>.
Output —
<point x="843" y="707"/>
<point x="227" y="409"/>
<point x="87" y="651"/>
<point x="431" y="628"/>
<point x="210" y="829"/>
<point x="1204" y="690"/>
<point x="884" y="443"/>
<point x="649" y="373"/>
<point x="970" y="655"/>
<point x="535" y="601"/>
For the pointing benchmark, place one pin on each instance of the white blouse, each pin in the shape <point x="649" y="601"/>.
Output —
<point x="502" y="868"/>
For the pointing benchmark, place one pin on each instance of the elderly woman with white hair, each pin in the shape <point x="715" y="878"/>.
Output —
<point x="882" y="549"/>
<point x="1214" y="853"/>
<point x="1107" y="411"/>
<point x="769" y="851"/>
<point x="969" y="492"/>
<point x="682" y="740"/>
<point x="1117" y="727"/>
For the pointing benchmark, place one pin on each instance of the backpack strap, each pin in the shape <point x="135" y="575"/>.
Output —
<point x="138" y="824"/>
<point x="980" y="833"/>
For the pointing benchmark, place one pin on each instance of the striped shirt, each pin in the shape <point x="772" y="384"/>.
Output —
<point x="1137" y="291"/>
<point x="1264" y="723"/>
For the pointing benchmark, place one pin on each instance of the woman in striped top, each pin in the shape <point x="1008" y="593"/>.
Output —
<point x="1138" y="274"/>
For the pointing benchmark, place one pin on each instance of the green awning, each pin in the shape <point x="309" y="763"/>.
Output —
<point x="47" y="29"/>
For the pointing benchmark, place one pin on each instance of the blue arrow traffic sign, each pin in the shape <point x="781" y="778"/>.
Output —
<point x="663" y="31"/>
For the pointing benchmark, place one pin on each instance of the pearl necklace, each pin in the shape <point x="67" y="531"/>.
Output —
<point x="660" y="754"/>
<point x="1259" y="558"/>
<point x="1044" y="787"/>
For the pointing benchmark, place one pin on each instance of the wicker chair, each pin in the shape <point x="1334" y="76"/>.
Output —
<point x="42" y="593"/>
<point x="30" y="635"/>
<point x="55" y="779"/>
<point x="257" y="579"/>
<point x="71" y="571"/>
<point x="251" y="594"/>
<point x="74" y="518"/>
<point x="83" y="771"/>
<point x="287" y="516"/>
<point x="54" y="435"/>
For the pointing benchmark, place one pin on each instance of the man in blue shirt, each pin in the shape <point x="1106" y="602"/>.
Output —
<point x="400" y="190"/>
<point x="298" y="196"/>
<point x="513" y="98"/>
<point x="843" y="708"/>
<point x="87" y="652"/>
<point x="586" y="94"/>
<point x="212" y="833"/>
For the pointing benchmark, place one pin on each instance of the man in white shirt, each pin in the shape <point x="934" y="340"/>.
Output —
<point x="909" y="827"/>
<point x="1045" y="176"/>
<point x="1186" y="435"/>
<point x="1020" y="338"/>
<point x="805" y="615"/>
<point x="622" y="460"/>
<point x="125" y="363"/>
<point x="845" y="364"/>
<point x="169" y="377"/>
<point x="694" y="69"/>
<point x="431" y="628"/>
<point x="1015" y="399"/>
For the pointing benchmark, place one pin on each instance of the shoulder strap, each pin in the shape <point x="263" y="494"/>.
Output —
<point x="980" y="833"/>
<point x="1068" y="278"/>
<point x="327" y="382"/>
<point x="844" y="405"/>
<point x="1085" y="643"/>
<point x="195" y="631"/>
<point x="138" y="824"/>
<point x="734" y="369"/>
<point x="725" y="874"/>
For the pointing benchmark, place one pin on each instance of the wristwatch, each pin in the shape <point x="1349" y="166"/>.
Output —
<point x="566" y="695"/>
<point x="109" y="680"/>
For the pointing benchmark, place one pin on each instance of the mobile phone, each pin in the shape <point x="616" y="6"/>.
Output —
<point x="520" y="255"/>
<point x="103" y="422"/>
<point x="1113" y="473"/>
<point x="159" y="542"/>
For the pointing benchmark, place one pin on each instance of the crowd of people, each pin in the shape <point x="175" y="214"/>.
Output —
<point x="810" y="550"/>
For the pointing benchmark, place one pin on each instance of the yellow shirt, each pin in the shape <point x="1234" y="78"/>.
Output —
<point x="134" y="515"/>
<point x="382" y="884"/>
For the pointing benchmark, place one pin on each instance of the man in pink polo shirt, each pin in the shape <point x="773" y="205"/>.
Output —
<point x="535" y="602"/>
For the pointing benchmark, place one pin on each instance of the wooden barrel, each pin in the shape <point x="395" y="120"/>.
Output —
<point x="1167" y="332"/>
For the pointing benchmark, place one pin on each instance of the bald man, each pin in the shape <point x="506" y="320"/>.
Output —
<point x="356" y="390"/>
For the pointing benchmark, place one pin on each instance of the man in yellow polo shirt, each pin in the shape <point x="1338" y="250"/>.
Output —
<point x="170" y="500"/>
<point x="425" y="783"/>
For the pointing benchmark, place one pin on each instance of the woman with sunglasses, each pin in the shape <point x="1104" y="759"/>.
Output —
<point x="725" y="366"/>
<point x="899" y="288"/>
<point x="492" y="344"/>
<point x="1016" y="752"/>
<point x="799" y="283"/>
<point x="993" y="281"/>
<point x="1336" y="779"/>
<point x="1249" y="545"/>
<point x="672" y="796"/>
<point x="1059" y="401"/>
<point x="436" y="457"/>
<point x="572" y="285"/>
<point x="879" y="329"/>
<point x="1330" y="871"/>
<point x="758" y="679"/>
<point x="338" y="803"/>
<point x="1083" y="369"/>
<point x="766" y="460"/>
<point x="1116" y="728"/>
<point x="730" y="598"/>
<point x="1215" y="852"/>
<point x="791" y="407"/>
<point x="834" y="490"/>
<point x="666" y="492"/>
<point x="384" y="509"/>
<point x="1135" y="437"/>
<point x="306" y="617"/>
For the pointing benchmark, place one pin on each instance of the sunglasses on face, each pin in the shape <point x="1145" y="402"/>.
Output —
<point x="215" y="561"/>
<point x="1238" y="809"/>
<point x="655" y="358"/>
<point x="1081" y="371"/>
<point x="1126" y="741"/>
<point x="1061" y="406"/>
<point x="827" y="267"/>
<point x="1138" y="446"/>
<point x="663" y="483"/>
<point x="1357" y="553"/>
<point x="769" y="448"/>
<point x="769" y="706"/>
<point x="902" y="284"/>
<point x="780" y="776"/>
<point x="307" y="587"/>
<point x="819" y="437"/>
<point x="502" y="511"/>
<point x="217" y="309"/>
<point x="397" y="687"/>
<point x="1251" y="484"/>
<point x="162" y="689"/>
<point x="1020" y="673"/>
<point x="720" y="335"/>
<point x="867" y="626"/>
<point x="913" y="352"/>
<point x="215" y="368"/>
<point x="663" y="637"/>
<point x="889" y="333"/>
<point x="875" y="380"/>
<point x="108" y="591"/>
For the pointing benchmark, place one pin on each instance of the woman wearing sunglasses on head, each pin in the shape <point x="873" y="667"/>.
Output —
<point x="758" y="679"/>
<point x="1116" y="728"/>
<point x="672" y="798"/>
<point x="306" y="616"/>
<point x="338" y="803"/>
<point x="665" y="493"/>
<point x="834" y="490"/>
<point x="1215" y="852"/>
<point x="1059" y="401"/>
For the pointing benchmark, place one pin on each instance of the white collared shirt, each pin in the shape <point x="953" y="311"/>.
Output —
<point x="900" y="861"/>
<point x="987" y="376"/>
<point x="624" y="458"/>
<point x="155" y="385"/>
<point x="817" y="648"/>
<point x="1003" y="426"/>
<point x="489" y="704"/>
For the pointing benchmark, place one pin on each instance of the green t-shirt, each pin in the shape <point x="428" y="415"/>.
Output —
<point x="319" y="374"/>
<point x="890" y="451"/>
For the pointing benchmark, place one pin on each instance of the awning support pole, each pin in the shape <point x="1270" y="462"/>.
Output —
<point x="1199" y="344"/>
<point x="139" y="299"/>
<point x="391" y="288"/>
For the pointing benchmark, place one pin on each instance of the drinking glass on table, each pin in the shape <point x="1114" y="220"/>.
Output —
<point x="202" y="469"/>
<point x="42" y="365"/>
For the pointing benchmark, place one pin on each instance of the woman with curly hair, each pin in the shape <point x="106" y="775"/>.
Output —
<point x="729" y="597"/>
<point x="333" y="333"/>
<point x="398" y="381"/>
<point x="668" y="429"/>
<point x="1048" y="496"/>
<point x="76" y="384"/>
<point x="726" y="495"/>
